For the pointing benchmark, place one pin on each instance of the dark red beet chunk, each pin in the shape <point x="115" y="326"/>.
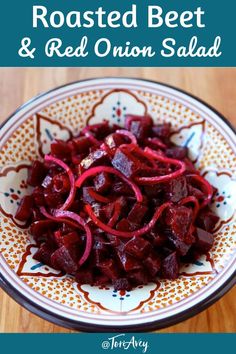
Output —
<point x="62" y="258"/>
<point x="122" y="284"/>
<point x="95" y="158"/>
<point x="137" y="247"/>
<point x="137" y="213"/>
<point x="204" y="240"/>
<point x="61" y="183"/>
<point x="152" y="263"/>
<point x="129" y="243"/>
<point x="128" y="262"/>
<point x="24" y="210"/>
<point x="140" y="129"/>
<point x="109" y="269"/>
<point x="102" y="182"/>
<point x="36" y="173"/>
<point x="125" y="163"/>
<point x="44" y="253"/>
<point x="82" y="144"/>
<point x="115" y="140"/>
<point x="207" y="220"/>
<point x="138" y="277"/>
<point x="176" y="189"/>
<point x="84" y="276"/>
<point x="179" y="219"/>
<point x="161" y="130"/>
<point x="170" y="267"/>
<point x="60" y="149"/>
<point x="177" y="152"/>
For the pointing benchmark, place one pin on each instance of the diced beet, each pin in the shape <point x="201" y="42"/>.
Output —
<point x="170" y="267"/>
<point x="109" y="268"/>
<point x="87" y="198"/>
<point x="41" y="227"/>
<point x="47" y="182"/>
<point x="161" y="130"/>
<point x="114" y="140"/>
<point x="195" y="192"/>
<point x="36" y="173"/>
<point x="177" y="152"/>
<point x="128" y="262"/>
<point x="122" y="284"/>
<point x="95" y="158"/>
<point x="63" y="259"/>
<point x="101" y="280"/>
<point x="102" y="182"/>
<point x="121" y="188"/>
<point x="207" y="220"/>
<point x="53" y="199"/>
<point x="125" y="225"/>
<point x="156" y="238"/>
<point x="82" y="144"/>
<point x="100" y="130"/>
<point x="204" y="240"/>
<point x="24" y="210"/>
<point x="60" y="149"/>
<point x="38" y="196"/>
<point x="84" y="276"/>
<point x="137" y="213"/>
<point x="179" y="219"/>
<point x="182" y="247"/>
<point x="130" y="118"/>
<point x="137" y="247"/>
<point x="43" y="254"/>
<point x="152" y="263"/>
<point x="66" y="240"/>
<point x="138" y="277"/>
<point x="140" y="129"/>
<point x="176" y="189"/>
<point x="105" y="211"/>
<point x="153" y="190"/>
<point x="61" y="183"/>
<point x="125" y="163"/>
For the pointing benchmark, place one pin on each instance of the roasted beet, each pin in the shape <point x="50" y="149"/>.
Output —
<point x="162" y="130"/>
<point x="122" y="284"/>
<point x="137" y="213"/>
<point x="176" y="189"/>
<point x="177" y="152"/>
<point x="152" y="263"/>
<point x="125" y="163"/>
<point x="119" y="206"/>
<point x="137" y="247"/>
<point x="102" y="182"/>
<point x="24" y="210"/>
<point x="114" y="140"/>
<point x="64" y="259"/>
<point x="81" y="144"/>
<point x="36" y="173"/>
<point x="95" y="158"/>
<point x="179" y="219"/>
<point x="204" y="240"/>
<point x="170" y="267"/>
<point x="207" y="220"/>
<point x="60" y="148"/>
<point x="44" y="253"/>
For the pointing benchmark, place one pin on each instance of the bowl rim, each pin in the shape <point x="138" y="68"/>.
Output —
<point x="89" y="327"/>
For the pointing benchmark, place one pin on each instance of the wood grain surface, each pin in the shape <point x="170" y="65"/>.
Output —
<point x="214" y="85"/>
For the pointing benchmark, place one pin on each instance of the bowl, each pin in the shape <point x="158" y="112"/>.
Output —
<point x="61" y="113"/>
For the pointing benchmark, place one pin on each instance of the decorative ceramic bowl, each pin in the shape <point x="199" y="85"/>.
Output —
<point x="61" y="113"/>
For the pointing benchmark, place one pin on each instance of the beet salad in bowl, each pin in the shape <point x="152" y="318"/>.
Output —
<point x="117" y="205"/>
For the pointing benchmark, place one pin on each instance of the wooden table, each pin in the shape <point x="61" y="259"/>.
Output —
<point x="214" y="85"/>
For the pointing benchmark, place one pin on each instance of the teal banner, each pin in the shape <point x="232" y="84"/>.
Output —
<point x="118" y="33"/>
<point x="108" y="343"/>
